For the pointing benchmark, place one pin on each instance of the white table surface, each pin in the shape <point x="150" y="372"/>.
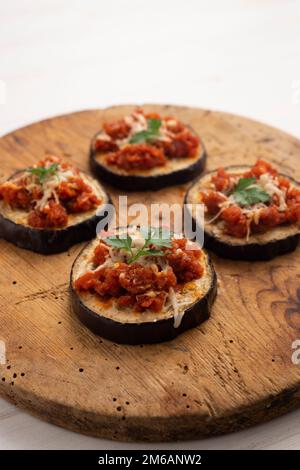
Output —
<point x="58" y="56"/>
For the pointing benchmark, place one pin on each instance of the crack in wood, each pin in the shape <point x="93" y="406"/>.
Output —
<point x="60" y="289"/>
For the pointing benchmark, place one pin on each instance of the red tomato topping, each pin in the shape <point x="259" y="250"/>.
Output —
<point x="86" y="281"/>
<point x="117" y="130"/>
<point x="154" y="303"/>
<point x="270" y="217"/>
<point x="48" y="159"/>
<point x="133" y="279"/>
<point x="126" y="300"/>
<point x="143" y="301"/>
<point x="293" y="203"/>
<point x="100" y="253"/>
<point x="17" y="197"/>
<point x="107" y="281"/>
<point x="52" y="215"/>
<point x="177" y="141"/>
<point x="283" y="182"/>
<point x="138" y="279"/>
<point x="70" y="196"/>
<point x="269" y="214"/>
<point x="173" y="125"/>
<point x="184" y="262"/>
<point x="141" y="156"/>
<point x="184" y="145"/>
<point x="104" y="281"/>
<point x="293" y="196"/>
<point x="235" y="221"/>
<point x="77" y="196"/>
<point x="261" y="167"/>
<point x="149" y="115"/>
<point x="142" y="286"/>
<point x="293" y="214"/>
<point x="83" y="203"/>
<point x="221" y="180"/>
<point x="212" y="201"/>
<point x="105" y="145"/>
<point x="51" y="159"/>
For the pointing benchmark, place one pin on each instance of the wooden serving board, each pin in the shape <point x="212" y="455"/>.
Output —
<point x="233" y="371"/>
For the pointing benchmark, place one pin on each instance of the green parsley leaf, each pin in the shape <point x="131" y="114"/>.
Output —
<point x="144" y="252"/>
<point x="154" y="125"/>
<point x="244" y="183"/>
<point x="43" y="173"/>
<point x="152" y="132"/>
<point x="248" y="193"/>
<point x="154" y="252"/>
<point x="152" y="237"/>
<point x="142" y="136"/>
<point x="158" y="236"/>
<point x="121" y="243"/>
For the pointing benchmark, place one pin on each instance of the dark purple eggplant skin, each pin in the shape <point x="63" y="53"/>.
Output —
<point x="244" y="251"/>
<point x="49" y="241"/>
<point x="46" y="241"/>
<point x="147" y="183"/>
<point x="143" y="333"/>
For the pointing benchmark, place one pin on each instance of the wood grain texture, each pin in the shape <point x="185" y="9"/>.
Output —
<point x="233" y="371"/>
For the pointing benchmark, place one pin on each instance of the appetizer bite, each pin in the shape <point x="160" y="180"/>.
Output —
<point x="251" y="213"/>
<point x="142" y="285"/>
<point x="51" y="206"/>
<point x="145" y="151"/>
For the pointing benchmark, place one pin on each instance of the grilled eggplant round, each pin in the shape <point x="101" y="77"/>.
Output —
<point x="264" y="246"/>
<point x="175" y="171"/>
<point x="81" y="226"/>
<point x="126" y="326"/>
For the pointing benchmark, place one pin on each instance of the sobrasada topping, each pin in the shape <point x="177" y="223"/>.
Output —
<point x="49" y="191"/>
<point x="254" y="201"/>
<point x="142" y="270"/>
<point x="145" y="140"/>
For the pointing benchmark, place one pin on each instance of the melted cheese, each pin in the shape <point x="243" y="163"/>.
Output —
<point x="177" y="315"/>
<point x="268" y="184"/>
<point x="48" y="189"/>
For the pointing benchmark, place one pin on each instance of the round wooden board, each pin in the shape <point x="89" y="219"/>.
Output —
<point x="233" y="371"/>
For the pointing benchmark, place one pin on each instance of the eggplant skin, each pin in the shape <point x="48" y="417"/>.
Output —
<point x="245" y="251"/>
<point x="147" y="183"/>
<point x="47" y="241"/>
<point x="252" y="251"/>
<point x="149" y="332"/>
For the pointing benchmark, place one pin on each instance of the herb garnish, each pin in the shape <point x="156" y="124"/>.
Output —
<point x="247" y="192"/>
<point x="152" y="132"/>
<point x="153" y="236"/>
<point x="42" y="173"/>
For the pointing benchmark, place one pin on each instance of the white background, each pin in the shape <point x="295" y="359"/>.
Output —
<point x="56" y="56"/>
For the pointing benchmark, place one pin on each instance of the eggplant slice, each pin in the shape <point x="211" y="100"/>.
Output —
<point x="259" y="247"/>
<point x="81" y="227"/>
<point x="175" y="171"/>
<point x="124" y="326"/>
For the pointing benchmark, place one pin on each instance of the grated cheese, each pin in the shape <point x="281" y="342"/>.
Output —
<point x="177" y="306"/>
<point x="268" y="184"/>
<point x="50" y="184"/>
<point x="174" y="303"/>
<point x="138" y="123"/>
